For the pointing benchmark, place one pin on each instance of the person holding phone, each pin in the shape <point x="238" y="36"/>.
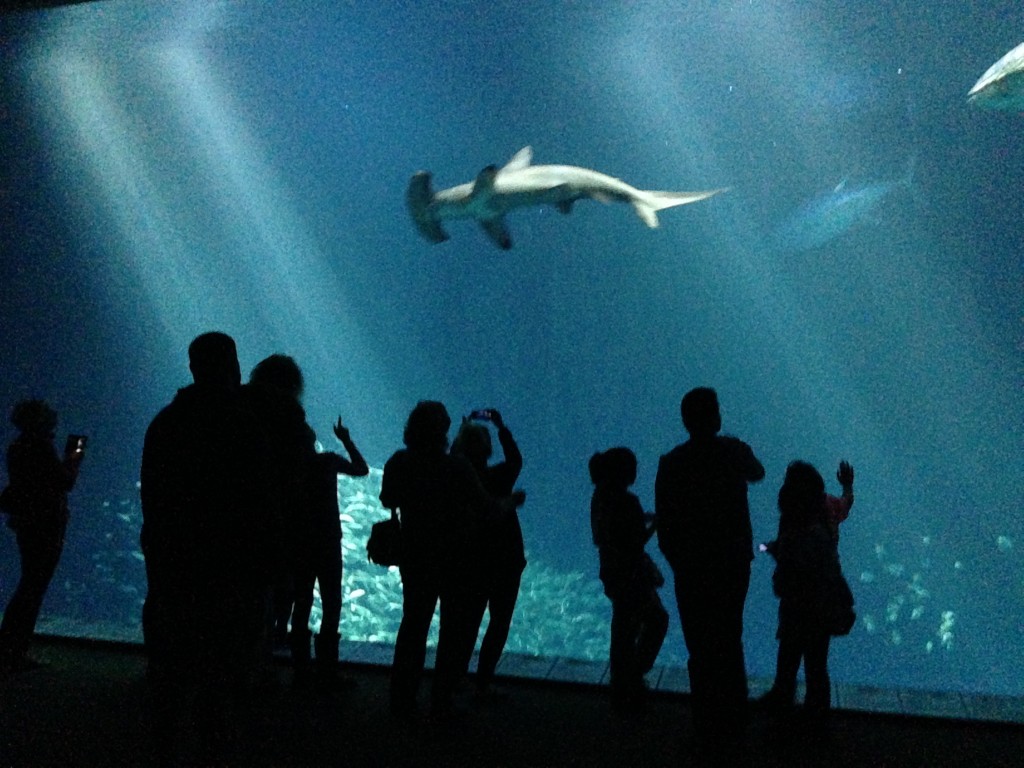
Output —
<point x="499" y="550"/>
<point x="36" y="501"/>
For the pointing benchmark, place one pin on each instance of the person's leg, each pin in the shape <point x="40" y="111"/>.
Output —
<point x="621" y="667"/>
<point x="653" y="628"/>
<point x="473" y="605"/>
<point x="457" y="631"/>
<point x="711" y="603"/>
<point x="690" y="587"/>
<point x="39" y="552"/>
<point x="501" y="607"/>
<point x="299" y="638"/>
<point x="733" y="669"/>
<point x="329" y="575"/>
<point x="787" y="664"/>
<point x="818" y="700"/>
<point x="420" y="591"/>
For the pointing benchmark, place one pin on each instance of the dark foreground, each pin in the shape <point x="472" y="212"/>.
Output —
<point x="89" y="706"/>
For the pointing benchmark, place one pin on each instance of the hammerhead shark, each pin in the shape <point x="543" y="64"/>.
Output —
<point x="519" y="184"/>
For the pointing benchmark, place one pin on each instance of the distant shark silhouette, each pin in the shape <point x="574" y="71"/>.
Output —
<point x="827" y="217"/>
<point x="520" y="184"/>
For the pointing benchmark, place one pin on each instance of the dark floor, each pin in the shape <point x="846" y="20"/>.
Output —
<point x="89" y="706"/>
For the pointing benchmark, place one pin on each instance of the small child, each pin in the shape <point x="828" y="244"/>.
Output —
<point x="808" y="581"/>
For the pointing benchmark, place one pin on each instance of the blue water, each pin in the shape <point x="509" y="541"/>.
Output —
<point x="169" y="168"/>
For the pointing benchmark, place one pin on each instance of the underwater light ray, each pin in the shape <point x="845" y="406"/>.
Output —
<point x="762" y="289"/>
<point x="284" y="261"/>
<point x="290" y="277"/>
<point x="95" y="125"/>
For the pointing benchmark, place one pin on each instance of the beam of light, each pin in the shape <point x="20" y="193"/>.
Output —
<point x="117" y="183"/>
<point x="286" y="267"/>
<point x="648" y="57"/>
<point x="173" y="177"/>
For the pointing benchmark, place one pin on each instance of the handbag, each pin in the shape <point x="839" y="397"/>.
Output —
<point x="384" y="545"/>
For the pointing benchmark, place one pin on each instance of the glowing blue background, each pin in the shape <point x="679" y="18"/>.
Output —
<point x="169" y="168"/>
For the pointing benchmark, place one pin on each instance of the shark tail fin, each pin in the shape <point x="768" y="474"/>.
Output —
<point x="649" y="203"/>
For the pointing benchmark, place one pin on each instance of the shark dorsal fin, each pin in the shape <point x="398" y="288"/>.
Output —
<point x="484" y="184"/>
<point x="520" y="160"/>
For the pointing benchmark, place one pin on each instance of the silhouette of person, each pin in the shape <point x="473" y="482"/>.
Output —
<point x="621" y="530"/>
<point x="500" y="553"/>
<point x="209" y="510"/>
<point x="704" y="531"/>
<point x="439" y="500"/>
<point x="806" y="579"/>
<point x="37" y="501"/>
<point x="319" y="557"/>
<point x="274" y="393"/>
<point x="311" y="527"/>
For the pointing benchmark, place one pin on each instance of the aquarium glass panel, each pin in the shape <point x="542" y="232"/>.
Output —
<point x="856" y="291"/>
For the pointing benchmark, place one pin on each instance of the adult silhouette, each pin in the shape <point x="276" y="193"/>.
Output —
<point x="209" y="526"/>
<point x="36" y="500"/>
<point x="500" y="553"/>
<point x="704" y="531"/>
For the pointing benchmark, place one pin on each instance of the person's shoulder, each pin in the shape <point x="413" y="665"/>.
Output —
<point x="171" y="411"/>
<point x="675" y="453"/>
<point x="397" y="458"/>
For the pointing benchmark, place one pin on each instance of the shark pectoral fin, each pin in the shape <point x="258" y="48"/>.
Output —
<point x="484" y="184"/>
<point x="496" y="230"/>
<point x="647" y="212"/>
<point x="565" y="206"/>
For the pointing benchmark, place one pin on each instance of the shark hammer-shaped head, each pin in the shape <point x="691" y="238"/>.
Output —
<point x="418" y="197"/>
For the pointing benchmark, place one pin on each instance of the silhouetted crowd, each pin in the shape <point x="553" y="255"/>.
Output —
<point x="241" y="521"/>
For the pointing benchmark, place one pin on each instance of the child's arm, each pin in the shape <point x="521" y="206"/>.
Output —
<point x="356" y="465"/>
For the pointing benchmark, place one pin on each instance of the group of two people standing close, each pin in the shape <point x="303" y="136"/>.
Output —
<point x="702" y="520"/>
<point x="240" y="519"/>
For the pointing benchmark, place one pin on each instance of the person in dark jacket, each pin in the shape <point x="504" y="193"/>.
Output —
<point x="439" y="500"/>
<point x="621" y="530"/>
<point x="704" y="531"/>
<point x="499" y="549"/>
<point x="809" y="583"/>
<point x="209" y="534"/>
<point x="36" y="500"/>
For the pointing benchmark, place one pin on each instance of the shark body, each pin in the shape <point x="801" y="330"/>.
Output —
<point x="829" y="216"/>
<point x="520" y="184"/>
